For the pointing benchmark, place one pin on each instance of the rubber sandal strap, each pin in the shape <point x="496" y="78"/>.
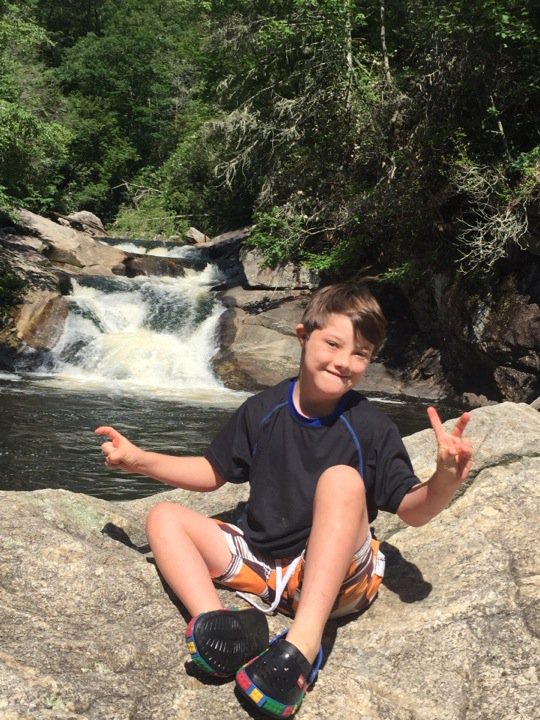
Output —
<point x="318" y="660"/>
<point x="316" y="666"/>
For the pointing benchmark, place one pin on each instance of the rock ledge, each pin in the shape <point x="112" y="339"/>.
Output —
<point x="89" y="631"/>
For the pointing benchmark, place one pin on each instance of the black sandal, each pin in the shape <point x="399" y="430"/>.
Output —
<point x="221" y="641"/>
<point x="278" y="679"/>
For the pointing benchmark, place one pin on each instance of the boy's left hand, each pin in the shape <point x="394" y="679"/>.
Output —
<point x="454" y="452"/>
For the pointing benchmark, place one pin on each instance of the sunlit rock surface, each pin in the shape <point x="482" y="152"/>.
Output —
<point x="89" y="631"/>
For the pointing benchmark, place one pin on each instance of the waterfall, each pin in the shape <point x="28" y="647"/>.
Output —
<point x="152" y="334"/>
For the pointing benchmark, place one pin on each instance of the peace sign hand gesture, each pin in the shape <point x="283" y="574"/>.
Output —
<point x="454" y="452"/>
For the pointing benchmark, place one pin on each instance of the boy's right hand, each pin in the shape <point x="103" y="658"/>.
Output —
<point x="119" y="451"/>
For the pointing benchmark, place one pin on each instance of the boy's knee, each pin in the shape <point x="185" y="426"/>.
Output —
<point x="159" y="516"/>
<point x="343" y="482"/>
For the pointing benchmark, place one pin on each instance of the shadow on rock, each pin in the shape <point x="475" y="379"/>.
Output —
<point x="205" y="678"/>
<point x="403" y="577"/>
<point x="120" y="535"/>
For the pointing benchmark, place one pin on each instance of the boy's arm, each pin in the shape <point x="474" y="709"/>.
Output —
<point x="454" y="460"/>
<point x="188" y="473"/>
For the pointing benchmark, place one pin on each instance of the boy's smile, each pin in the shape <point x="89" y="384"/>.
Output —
<point x="334" y="359"/>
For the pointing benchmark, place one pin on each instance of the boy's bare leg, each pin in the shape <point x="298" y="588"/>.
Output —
<point x="189" y="550"/>
<point x="340" y="527"/>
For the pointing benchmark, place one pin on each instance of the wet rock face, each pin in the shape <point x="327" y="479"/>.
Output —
<point x="41" y="320"/>
<point x="26" y="259"/>
<point x="89" y="630"/>
<point x="132" y="266"/>
<point x="38" y="319"/>
<point x="495" y="337"/>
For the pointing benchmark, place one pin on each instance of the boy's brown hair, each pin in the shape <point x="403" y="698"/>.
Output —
<point x="353" y="300"/>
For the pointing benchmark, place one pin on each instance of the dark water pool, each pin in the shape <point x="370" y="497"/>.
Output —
<point x="47" y="438"/>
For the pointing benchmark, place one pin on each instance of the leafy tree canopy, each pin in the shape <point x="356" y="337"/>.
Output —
<point x="33" y="140"/>
<point x="392" y="136"/>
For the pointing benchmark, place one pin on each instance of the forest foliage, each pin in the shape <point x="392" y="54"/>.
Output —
<point x="375" y="136"/>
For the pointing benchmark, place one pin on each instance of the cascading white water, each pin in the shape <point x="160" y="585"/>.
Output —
<point x="154" y="333"/>
<point x="157" y="249"/>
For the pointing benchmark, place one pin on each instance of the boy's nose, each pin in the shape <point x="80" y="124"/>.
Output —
<point x="341" y="359"/>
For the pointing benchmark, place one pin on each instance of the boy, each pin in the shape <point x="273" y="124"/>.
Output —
<point x="321" y="461"/>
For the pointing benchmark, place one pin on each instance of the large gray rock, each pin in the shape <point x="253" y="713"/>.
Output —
<point x="73" y="250"/>
<point x="41" y="319"/>
<point x="87" y="222"/>
<point x="37" y="320"/>
<point x="284" y="277"/>
<point x="26" y="259"/>
<point x="89" y="632"/>
<point x="258" y="345"/>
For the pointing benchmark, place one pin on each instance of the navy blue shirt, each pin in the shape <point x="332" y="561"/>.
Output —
<point x="282" y="454"/>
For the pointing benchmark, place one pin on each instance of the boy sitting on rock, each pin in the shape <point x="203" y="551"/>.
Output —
<point x="321" y="461"/>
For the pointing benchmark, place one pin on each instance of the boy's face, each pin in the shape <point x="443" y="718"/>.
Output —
<point x="334" y="359"/>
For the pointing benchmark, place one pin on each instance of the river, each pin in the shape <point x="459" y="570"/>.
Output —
<point x="47" y="424"/>
<point x="135" y="353"/>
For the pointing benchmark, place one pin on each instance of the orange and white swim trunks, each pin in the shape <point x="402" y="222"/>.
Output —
<point x="279" y="582"/>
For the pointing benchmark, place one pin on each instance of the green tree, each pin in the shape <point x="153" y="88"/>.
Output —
<point x="354" y="126"/>
<point x="468" y="82"/>
<point x="297" y="90"/>
<point x="33" y="142"/>
<point x="353" y="134"/>
<point x="127" y="86"/>
<point x="68" y="22"/>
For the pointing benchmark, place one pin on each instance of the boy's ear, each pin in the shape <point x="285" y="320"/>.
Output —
<point x="301" y="333"/>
